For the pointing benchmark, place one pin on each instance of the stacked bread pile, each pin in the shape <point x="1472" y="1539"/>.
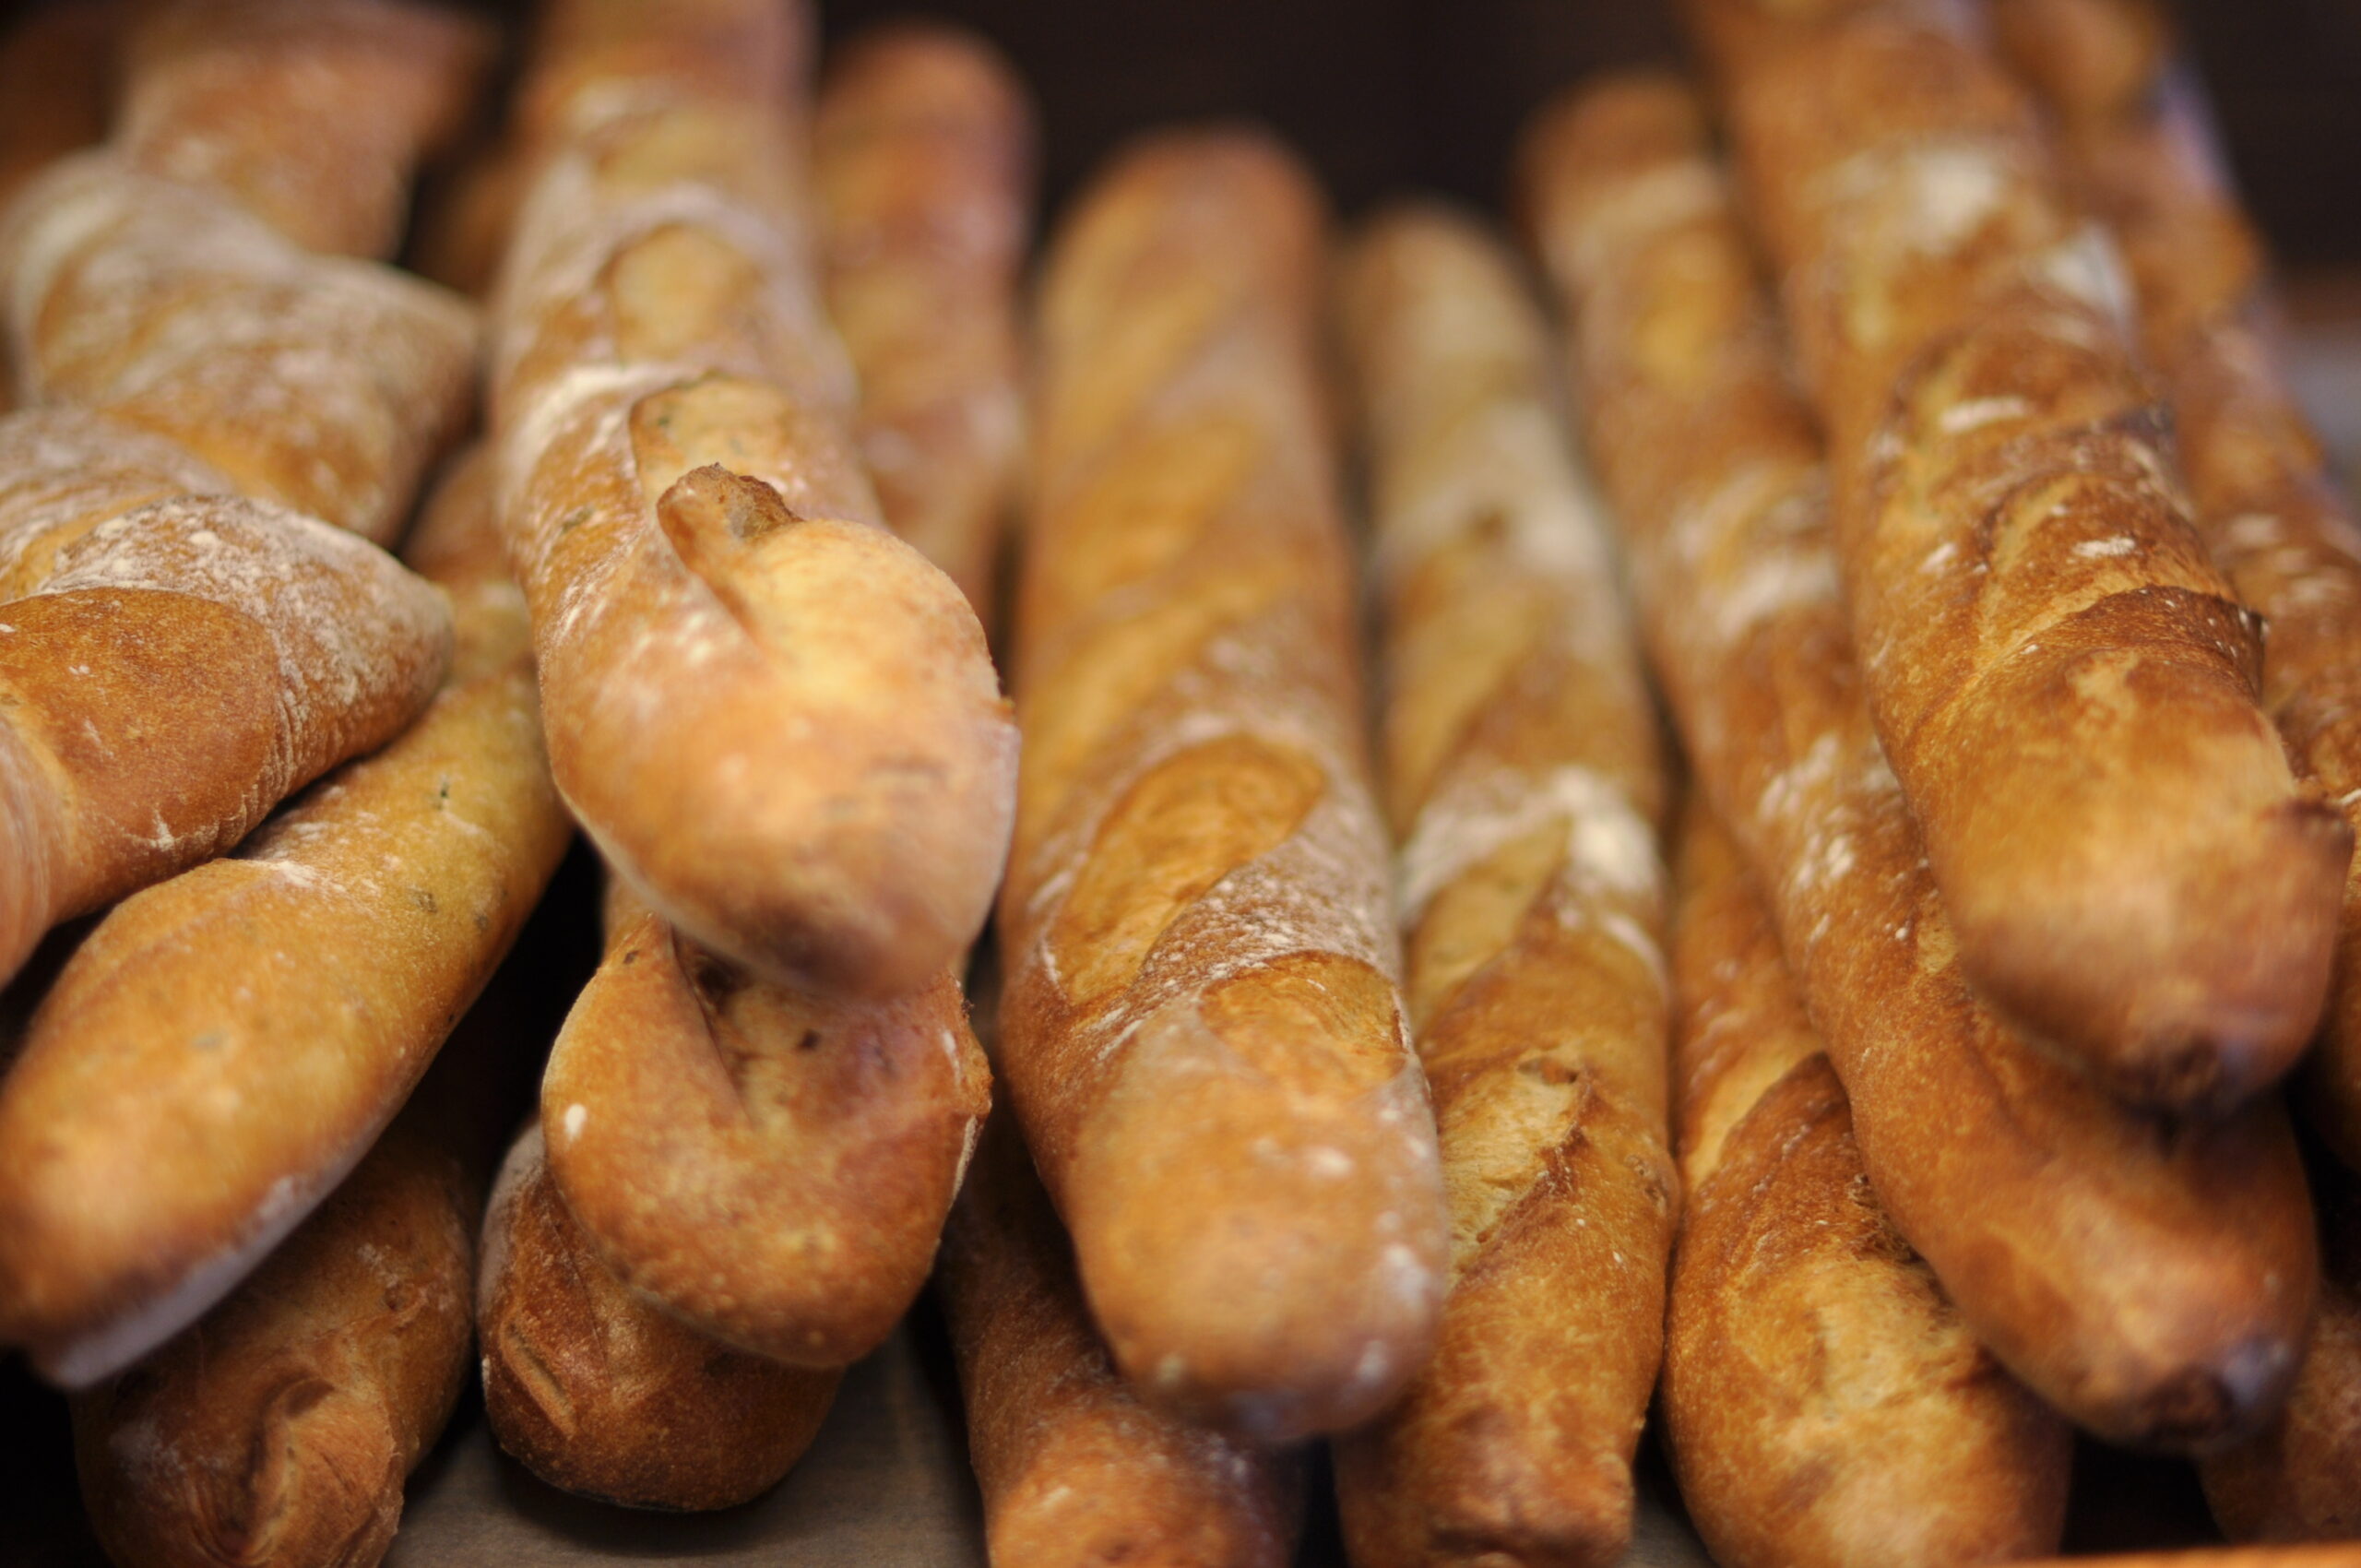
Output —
<point x="1932" y="1103"/>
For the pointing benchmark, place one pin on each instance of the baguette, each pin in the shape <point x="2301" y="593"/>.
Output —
<point x="922" y="165"/>
<point x="312" y="114"/>
<point x="1075" y="1471"/>
<point x="324" y="384"/>
<point x="176" y="662"/>
<point x="277" y="1431"/>
<point x="1825" y="1405"/>
<point x="2152" y="1278"/>
<point x="2064" y="681"/>
<point x="1202" y="1037"/>
<point x="224" y="1047"/>
<point x="1525" y="783"/>
<point x="778" y="723"/>
<point x="2300" y="1479"/>
<point x="772" y="1167"/>
<point x="597" y="1392"/>
<point x="2272" y="512"/>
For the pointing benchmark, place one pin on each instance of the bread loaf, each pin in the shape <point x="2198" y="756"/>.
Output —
<point x="277" y="1431"/>
<point x="223" y="1047"/>
<point x="2296" y="1480"/>
<point x="1074" y="1469"/>
<point x="2272" y="513"/>
<point x="2063" y="680"/>
<point x="771" y="1166"/>
<point x="175" y="661"/>
<point x="1825" y="1405"/>
<point x="2151" y="1278"/>
<point x="321" y="384"/>
<point x="1201" y="1038"/>
<point x="597" y="1392"/>
<point x="778" y="723"/>
<point x="1526" y="789"/>
<point x="312" y="114"/>
<point x="922" y="161"/>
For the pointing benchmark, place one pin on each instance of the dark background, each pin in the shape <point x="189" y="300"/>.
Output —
<point x="1389" y="95"/>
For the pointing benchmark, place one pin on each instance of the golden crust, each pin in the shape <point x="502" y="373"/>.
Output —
<point x="597" y="1392"/>
<point x="2063" y="680"/>
<point x="1527" y="793"/>
<point x="1073" y="1467"/>
<point x="774" y="1167"/>
<point x="178" y="660"/>
<point x="2272" y="513"/>
<point x="312" y="114"/>
<point x="2152" y="1279"/>
<point x="921" y="163"/>
<point x="319" y="382"/>
<point x="1825" y="1405"/>
<point x="2294" y="1479"/>
<point x="278" y="1431"/>
<point x="316" y="971"/>
<point x="1202" y="1037"/>
<point x="778" y="721"/>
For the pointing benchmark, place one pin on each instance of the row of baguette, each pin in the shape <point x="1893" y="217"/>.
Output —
<point x="162" y="1138"/>
<point x="1200" y="1036"/>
